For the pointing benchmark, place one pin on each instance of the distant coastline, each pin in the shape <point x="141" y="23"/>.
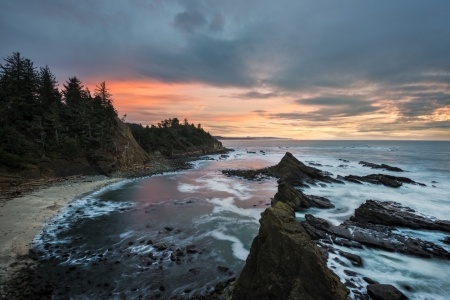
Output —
<point x="250" y="138"/>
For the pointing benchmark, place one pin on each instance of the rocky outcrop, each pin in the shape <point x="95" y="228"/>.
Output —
<point x="394" y="214"/>
<point x="297" y="200"/>
<point x="382" y="166"/>
<point x="385" y="292"/>
<point x="284" y="263"/>
<point x="387" y="180"/>
<point x="289" y="170"/>
<point x="291" y="196"/>
<point x="376" y="236"/>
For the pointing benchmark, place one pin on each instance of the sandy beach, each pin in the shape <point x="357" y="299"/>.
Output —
<point x="21" y="219"/>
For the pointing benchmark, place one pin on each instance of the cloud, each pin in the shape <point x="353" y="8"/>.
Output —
<point x="254" y="95"/>
<point x="187" y="22"/>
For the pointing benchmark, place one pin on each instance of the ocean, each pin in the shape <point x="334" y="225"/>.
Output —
<point x="117" y="242"/>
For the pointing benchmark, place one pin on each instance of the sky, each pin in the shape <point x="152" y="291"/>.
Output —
<point x="310" y="69"/>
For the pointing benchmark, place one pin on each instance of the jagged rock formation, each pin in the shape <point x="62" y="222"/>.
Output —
<point x="394" y="214"/>
<point x="387" y="180"/>
<point x="289" y="170"/>
<point x="284" y="263"/>
<point x="377" y="236"/>
<point x="382" y="166"/>
<point x="297" y="200"/>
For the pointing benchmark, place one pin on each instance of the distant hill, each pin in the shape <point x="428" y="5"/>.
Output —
<point x="249" y="138"/>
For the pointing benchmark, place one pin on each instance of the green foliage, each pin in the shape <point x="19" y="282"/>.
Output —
<point x="36" y="119"/>
<point x="170" y="136"/>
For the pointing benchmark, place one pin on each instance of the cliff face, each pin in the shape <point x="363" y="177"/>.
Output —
<point x="127" y="151"/>
<point x="284" y="263"/>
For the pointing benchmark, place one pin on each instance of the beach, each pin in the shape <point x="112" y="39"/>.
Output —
<point x="21" y="219"/>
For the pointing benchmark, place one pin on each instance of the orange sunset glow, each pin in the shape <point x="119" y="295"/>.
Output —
<point x="301" y="70"/>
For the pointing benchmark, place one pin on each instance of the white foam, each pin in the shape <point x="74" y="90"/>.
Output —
<point x="237" y="246"/>
<point x="227" y="204"/>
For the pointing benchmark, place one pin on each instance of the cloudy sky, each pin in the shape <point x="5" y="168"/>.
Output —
<point x="310" y="69"/>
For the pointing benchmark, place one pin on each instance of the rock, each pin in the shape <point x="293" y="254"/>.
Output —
<point x="222" y="269"/>
<point x="320" y="202"/>
<point x="384" y="179"/>
<point x="350" y="273"/>
<point x="324" y="254"/>
<point x="297" y="200"/>
<point x="353" y="258"/>
<point x="194" y="271"/>
<point x="285" y="264"/>
<point x="291" y="196"/>
<point x="394" y="214"/>
<point x="370" y="281"/>
<point x="446" y="240"/>
<point x="160" y="247"/>
<point x="382" y="166"/>
<point x="168" y="228"/>
<point x="289" y="170"/>
<point x="377" y="236"/>
<point x="385" y="292"/>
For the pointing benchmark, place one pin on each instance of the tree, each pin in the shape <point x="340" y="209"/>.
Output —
<point x="17" y="91"/>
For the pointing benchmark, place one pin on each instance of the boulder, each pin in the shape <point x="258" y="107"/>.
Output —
<point x="394" y="214"/>
<point x="284" y="263"/>
<point x="385" y="292"/>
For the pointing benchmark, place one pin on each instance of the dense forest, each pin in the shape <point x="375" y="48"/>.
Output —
<point x="52" y="129"/>
<point x="171" y="136"/>
<point x="37" y="121"/>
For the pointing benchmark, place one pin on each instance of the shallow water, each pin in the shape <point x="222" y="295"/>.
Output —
<point x="100" y="242"/>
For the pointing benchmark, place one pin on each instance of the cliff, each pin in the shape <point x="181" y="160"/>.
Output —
<point x="284" y="263"/>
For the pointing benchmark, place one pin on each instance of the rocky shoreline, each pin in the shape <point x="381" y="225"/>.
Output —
<point x="372" y="226"/>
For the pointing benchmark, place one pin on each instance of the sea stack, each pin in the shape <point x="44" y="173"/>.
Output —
<point x="284" y="263"/>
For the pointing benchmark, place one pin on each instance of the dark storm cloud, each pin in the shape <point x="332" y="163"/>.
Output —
<point x="394" y="47"/>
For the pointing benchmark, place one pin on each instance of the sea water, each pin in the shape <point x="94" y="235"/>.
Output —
<point x="103" y="243"/>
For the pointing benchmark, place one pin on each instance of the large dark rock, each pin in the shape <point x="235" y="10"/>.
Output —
<point x="291" y="196"/>
<point x="297" y="200"/>
<point x="384" y="179"/>
<point x="385" y="292"/>
<point x="289" y="170"/>
<point x="394" y="214"/>
<point x="285" y="264"/>
<point x="377" y="236"/>
<point x="382" y="166"/>
<point x="292" y="171"/>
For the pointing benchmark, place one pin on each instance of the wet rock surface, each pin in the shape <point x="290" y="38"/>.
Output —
<point x="385" y="292"/>
<point x="394" y="214"/>
<point x="296" y="199"/>
<point x="289" y="170"/>
<point x="382" y="179"/>
<point x="376" y="236"/>
<point x="284" y="263"/>
<point x="382" y="166"/>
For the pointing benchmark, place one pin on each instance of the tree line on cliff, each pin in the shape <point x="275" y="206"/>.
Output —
<point x="171" y="136"/>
